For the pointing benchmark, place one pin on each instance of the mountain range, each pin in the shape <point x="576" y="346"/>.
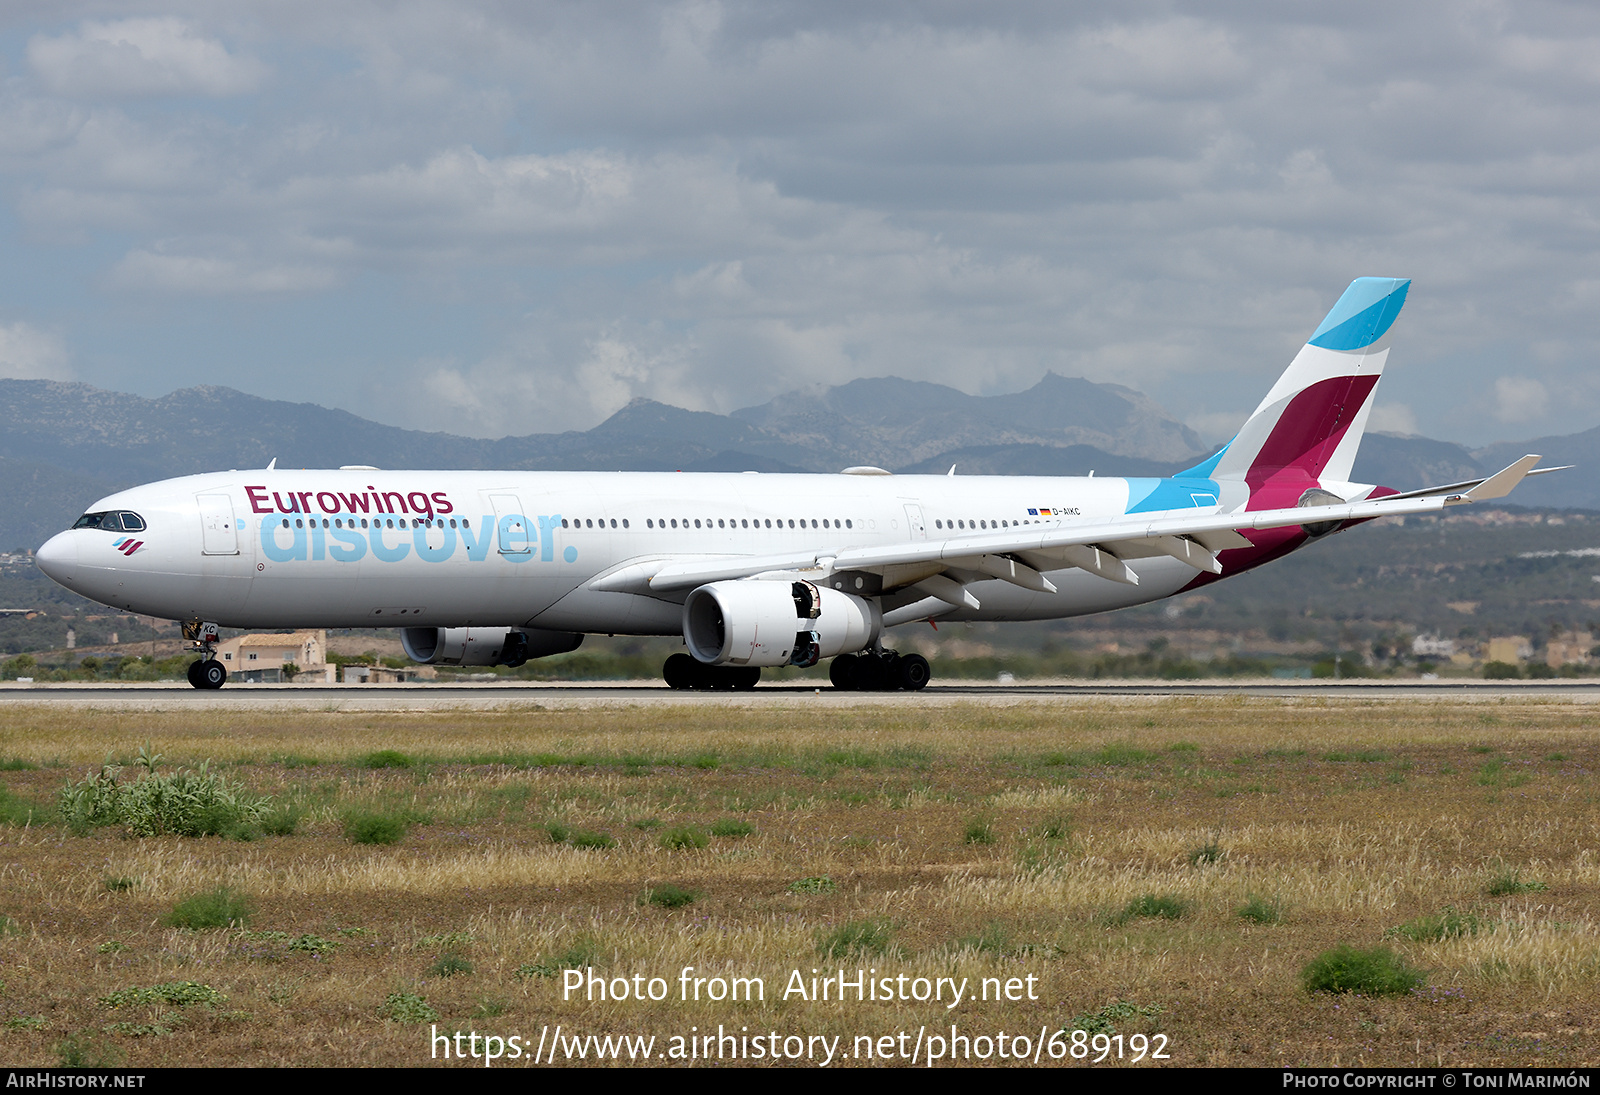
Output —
<point x="62" y="445"/>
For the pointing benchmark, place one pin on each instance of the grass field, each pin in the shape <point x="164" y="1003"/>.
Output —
<point x="1157" y="868"/>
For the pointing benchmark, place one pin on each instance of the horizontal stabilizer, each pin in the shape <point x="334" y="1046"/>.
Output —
<point x="1501" y="483"/>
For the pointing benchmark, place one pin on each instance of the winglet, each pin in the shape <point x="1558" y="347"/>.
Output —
<point x="273" y="465"/>
<point x="1498" y="485"/>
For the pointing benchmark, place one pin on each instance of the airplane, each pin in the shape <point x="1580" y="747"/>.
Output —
<point x="481" y="568"/>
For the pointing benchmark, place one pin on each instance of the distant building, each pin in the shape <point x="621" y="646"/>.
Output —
<point x="262" y="658"/>
<point x="1509" y="648"/>
<point x="1569" y="648"/>
<point x="1431" y="646"/>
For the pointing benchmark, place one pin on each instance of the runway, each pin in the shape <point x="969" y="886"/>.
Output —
<point x="552" y="695"/>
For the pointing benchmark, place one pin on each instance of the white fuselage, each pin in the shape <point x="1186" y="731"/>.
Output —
<point x="365" y="548"/>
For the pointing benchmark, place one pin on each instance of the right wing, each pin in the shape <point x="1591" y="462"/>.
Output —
<point x="1021" y="555"/>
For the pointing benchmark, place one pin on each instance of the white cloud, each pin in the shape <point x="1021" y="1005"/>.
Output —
<point x="152" y="56"/>
<point x="548" y="209"/>
<point x="27" y="353"/>
<point x="1393" y="418"/>
<point x="197" y="275"/>
<point x="1520" y="399"/>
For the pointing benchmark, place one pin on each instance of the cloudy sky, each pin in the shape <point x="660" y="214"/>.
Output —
<point x="495" y="218"/>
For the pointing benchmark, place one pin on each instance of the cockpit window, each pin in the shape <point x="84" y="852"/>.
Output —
<point x="111" y="521"/>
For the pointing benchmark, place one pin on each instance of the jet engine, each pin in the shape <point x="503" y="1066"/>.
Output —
<point x="483" y="645"/>
<point x="762" y="622"/>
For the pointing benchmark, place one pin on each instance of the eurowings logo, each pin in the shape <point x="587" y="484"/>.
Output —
<point x="127" y="545"/>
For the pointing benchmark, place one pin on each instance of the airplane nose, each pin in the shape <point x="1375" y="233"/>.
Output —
<point x="58" y="558"/>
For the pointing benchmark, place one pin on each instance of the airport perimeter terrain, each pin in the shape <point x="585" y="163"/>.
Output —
<point x="1160" y="871"/>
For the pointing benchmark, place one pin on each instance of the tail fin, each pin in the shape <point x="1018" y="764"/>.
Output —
<point x="1310" y="424"/>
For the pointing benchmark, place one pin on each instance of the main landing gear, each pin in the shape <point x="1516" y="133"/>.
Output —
<point x="682" y="671"/>
<point x="207" y="672"/>
<point x="880" y="671"/>
<point x="869" y="671"/>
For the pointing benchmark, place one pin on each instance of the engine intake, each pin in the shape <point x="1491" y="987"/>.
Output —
<point x="483" y="645"/>
<point x="762" y="622"/>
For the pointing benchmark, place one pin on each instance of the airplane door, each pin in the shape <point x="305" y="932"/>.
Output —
<point x="512" y="534"/>
<point x="219" y="532"/>
<point x="914" y="521"/>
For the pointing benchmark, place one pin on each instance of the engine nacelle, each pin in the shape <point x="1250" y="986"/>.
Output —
<point x="768" y="622"/>
<point x="483" y="645"/>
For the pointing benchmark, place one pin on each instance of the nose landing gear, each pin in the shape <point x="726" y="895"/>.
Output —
<point x="207" y="672"/>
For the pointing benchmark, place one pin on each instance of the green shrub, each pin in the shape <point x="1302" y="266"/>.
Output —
<point x="188" y="802"/>
<point x="1258" y="910"/>
<point x="1155" y="906"/>
<point x="682" y="838"/>
<point x="1104" y="1021"/>
<point x="387" y="758"/>
<point x="406" y="1007"/>
<point x="1508" y="883"/>
<point x="86" y="1051"/>
<point x="373" y="828"/>
<point x="1056" y="829"/>
<point x="1501" y="671"/>
<point x="995" y="938"/>
<point x="1207" y="854"/>
<point x="449" y="965"/>
<point x="557" y="832"/>
<point x="1375" y="972"/>
<point x="282" y="820"/>
<point x="583" y="838"/>
<point x="1449" y="924"/>
<point x="670" y="896"/>
<point x="121" y="884"/>
<point x="581" y="955"/>
<point x="219" y="908"/>
<point x="816" y="884"/>
<point x="19" y="811"/>
<point x="731" y="827"/>
<point x="178" y="994"/>
<point x="978" y="831"/>
<point x="858" y="937"/>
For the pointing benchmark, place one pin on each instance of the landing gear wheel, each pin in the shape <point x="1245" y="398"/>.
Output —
<point x="843" y="672"/>
<point x="876" y="672"/>
<point x="884" y="671"/>
<point x="211" y="674"/>
<point x="681" y="672"/>
<point x="194" y="673"/>
<point x="746" y="678"/>
<point x="914" y="672"/>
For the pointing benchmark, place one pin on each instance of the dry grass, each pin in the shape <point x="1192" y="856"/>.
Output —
<point x="1350" y="818"/>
